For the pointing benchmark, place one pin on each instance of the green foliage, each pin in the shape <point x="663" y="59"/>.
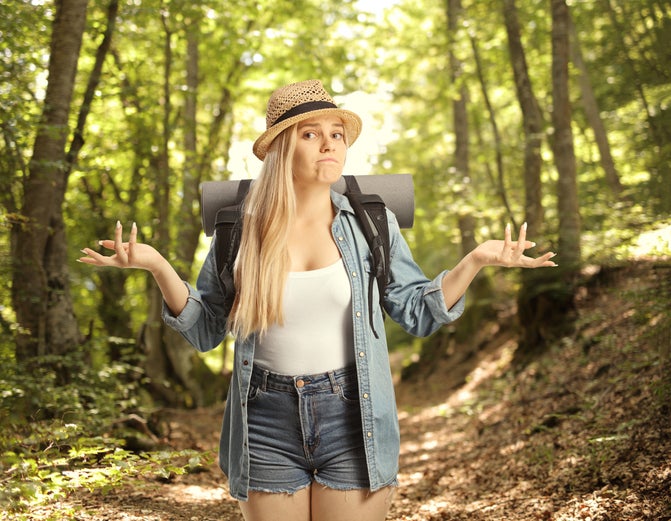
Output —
<point x="58" y="433"/>
<point x="54" y="458"/>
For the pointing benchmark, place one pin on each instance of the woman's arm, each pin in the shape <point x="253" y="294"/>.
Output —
<point x="504" y="253"/>
<point x="132" y="254"/>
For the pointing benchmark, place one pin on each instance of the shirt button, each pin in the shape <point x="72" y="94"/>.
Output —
<point x="341" y="238"/>
<point x="358" y="314"/>
<point x="361" y="354"/>
<point x="246" y="362"/>
<point x="369" y="434"/>
<point x="365" y="395"/>
<point x="354" y="274"/>
<point x="300" y="384"/>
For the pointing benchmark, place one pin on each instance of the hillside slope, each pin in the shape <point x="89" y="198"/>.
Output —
<point x="582" y="433"/>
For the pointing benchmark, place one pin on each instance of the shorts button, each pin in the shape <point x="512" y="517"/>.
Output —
<point x="300" y="384"/>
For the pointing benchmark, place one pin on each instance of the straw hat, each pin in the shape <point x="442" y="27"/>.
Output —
<point x="298" y="101"/>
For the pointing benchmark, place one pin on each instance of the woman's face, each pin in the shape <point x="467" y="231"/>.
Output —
<point x="319" y="156"/>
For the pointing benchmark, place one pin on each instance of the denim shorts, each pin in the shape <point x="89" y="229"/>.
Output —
<point x="305" y="429"/>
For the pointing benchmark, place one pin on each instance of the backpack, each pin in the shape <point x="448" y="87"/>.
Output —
<point x="369" y="209"/>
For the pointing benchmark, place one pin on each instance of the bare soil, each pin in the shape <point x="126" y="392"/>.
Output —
<point x="583" y="433"/>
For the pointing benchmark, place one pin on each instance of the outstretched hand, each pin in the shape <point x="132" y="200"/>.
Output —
<point x="129" y="254"/>
<point x="509" y="253"/>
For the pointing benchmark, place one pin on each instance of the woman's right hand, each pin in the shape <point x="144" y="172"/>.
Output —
<point x="129" y="254"/>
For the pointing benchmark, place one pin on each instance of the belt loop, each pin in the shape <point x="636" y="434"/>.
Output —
<point x="264" y="381"/>
<point x="334" y="383"/>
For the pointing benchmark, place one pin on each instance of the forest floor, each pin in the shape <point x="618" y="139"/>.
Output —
<point x="582" y="433"/>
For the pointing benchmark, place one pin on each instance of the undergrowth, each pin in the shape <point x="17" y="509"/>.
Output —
<point x="59" y="436"/>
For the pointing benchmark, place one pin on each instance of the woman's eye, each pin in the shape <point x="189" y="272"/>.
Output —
<point x="338" y="135"/>
<point x="310" y="135"/>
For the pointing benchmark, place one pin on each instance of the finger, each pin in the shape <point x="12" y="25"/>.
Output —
<point x="92" y="257"/>
<point x="544" y="261"/>
<point x="133" y="234"/>
<point x="507" y="240"/>
<point x="522" y="239"/>
<point x="118" y="243"/>
<point x="132" y="240"/>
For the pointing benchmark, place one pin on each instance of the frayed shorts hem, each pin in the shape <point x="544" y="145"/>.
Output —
<point x="324" y="483"/>
<point x="287" y="491"/>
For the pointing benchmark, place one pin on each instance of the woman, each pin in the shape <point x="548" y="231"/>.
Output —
<point x="310" y="429"/>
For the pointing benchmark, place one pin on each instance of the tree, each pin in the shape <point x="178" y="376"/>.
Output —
<point x="592" y="112"/>
<point x="562" y="141"/>
<point x="40" y="283"/>
<point x="467" y="218"/>
<point x="532" y="119"/>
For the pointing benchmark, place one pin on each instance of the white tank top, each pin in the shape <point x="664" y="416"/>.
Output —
<point x="317" y="333"/>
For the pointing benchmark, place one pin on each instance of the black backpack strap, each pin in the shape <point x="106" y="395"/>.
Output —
<point x="228" y="231"/>
<point x="372" y="215"/>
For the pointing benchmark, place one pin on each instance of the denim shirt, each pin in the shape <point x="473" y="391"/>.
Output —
<point x="411" y="299"/>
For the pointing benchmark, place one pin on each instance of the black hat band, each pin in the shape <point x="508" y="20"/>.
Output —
<point x="303" y="108"/>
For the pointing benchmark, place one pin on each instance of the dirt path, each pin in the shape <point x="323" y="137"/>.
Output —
<point x="583" y="434"/>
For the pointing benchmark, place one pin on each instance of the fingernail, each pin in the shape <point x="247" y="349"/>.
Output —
<point x="533" y="245"/>
<point x="100" y="243"/>
<point x="118" y="224"/>
<point x="134" y="225"/>
<point x="524" y="225"/>
<point x="84" y="252"/>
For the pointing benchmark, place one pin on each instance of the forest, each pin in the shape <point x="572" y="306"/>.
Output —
<point x="549" y="398"/>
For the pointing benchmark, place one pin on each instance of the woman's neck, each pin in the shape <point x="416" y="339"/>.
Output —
<point x="314" y="204"/>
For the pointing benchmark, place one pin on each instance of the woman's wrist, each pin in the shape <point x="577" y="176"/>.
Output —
<point x="475" y="260"/>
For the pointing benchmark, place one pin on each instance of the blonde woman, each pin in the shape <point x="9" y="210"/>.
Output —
<point x="310" y="431"/>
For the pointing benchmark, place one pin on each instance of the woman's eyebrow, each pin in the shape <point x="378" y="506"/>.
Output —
<point x="314" y="124"/>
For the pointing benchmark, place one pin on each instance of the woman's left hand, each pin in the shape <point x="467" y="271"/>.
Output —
<point x="509" y="253"/>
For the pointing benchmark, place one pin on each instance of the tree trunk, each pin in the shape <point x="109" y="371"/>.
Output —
<point x="532" y="121"/>
<point x="461" y="130"/>
<point x="40" y="289"/>
<point x="157" y="363"/>
<point x="593" y="115"/>
<point x="562" y="142"/>
<point x="499" y="184"/>
<point x="467" y="222"/>
<point x="178" y="375"/>
<point x="188" y="232"/>
<point x="537" y="314"/>
<point x="546" y="297"/>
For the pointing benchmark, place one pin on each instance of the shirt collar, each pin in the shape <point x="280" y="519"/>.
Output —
<point x="341" y="202"/>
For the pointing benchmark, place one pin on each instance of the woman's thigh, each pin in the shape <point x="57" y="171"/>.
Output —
<point x="350" y="505"/>
<point x="319" y="503"/>
<point x="265" y="506"/>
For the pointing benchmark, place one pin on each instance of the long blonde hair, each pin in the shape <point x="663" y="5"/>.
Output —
<point x="263" y="259"/>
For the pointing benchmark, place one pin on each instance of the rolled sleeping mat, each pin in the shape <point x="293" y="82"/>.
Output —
<point x="397" y="192"/>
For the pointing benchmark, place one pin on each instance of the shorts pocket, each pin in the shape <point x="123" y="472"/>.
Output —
<point x="255" y="392"/>
<point x="348" y="392"/>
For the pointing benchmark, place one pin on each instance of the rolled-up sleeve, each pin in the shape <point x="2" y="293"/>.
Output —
<point x="436" y="301"/>
<point x="189" y="315"/>
<point x="412" y="300"/>
<point x="202" y="322"/>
